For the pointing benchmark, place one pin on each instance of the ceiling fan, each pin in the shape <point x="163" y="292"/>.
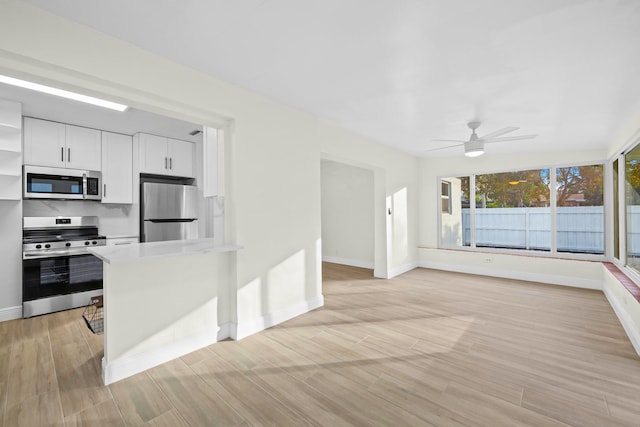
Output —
<point x="474" y="147"/>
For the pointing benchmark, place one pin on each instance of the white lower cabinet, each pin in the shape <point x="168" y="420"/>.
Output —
<point x="117" y="168"/>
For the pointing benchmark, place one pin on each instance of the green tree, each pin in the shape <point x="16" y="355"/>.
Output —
<point x="580" y="180"/>
<point x="513" y="189"/>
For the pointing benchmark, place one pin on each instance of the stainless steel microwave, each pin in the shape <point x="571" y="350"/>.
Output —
<point x="59" y="183"/>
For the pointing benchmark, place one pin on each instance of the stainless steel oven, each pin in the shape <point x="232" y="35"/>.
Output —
<point x="58" y="271"/>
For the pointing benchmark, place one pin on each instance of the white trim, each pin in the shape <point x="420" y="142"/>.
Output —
<point x="351" y="262"/>
<point x="242" y="330"/>
<point x="516" y="275"/>
<point x="396" y="271"/>
<point x="627" y="323"/>
<point x="224" y="331"/>
<point x="10" y="313"/>
<point x="127" y="366"/>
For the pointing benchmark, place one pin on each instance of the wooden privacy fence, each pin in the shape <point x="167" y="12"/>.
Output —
<point x="579" y="229"/>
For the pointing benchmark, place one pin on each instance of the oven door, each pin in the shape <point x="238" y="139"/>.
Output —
<point x="63" y="275"/>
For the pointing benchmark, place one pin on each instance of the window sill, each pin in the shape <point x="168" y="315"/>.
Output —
<point x="624" y="279"/>
<point x="527" y="253"/>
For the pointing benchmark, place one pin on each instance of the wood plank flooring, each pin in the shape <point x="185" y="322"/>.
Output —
<point x="428" y="348"/>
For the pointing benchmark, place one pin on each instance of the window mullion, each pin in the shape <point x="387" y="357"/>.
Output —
<point x="472" y="209"/>
<point x="553" y="208"/>
<point x="622" y="211"/>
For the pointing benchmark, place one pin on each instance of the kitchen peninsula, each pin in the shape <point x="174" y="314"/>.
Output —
<point x="163" y="300"/>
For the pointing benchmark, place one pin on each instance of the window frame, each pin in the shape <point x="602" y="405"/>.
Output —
<point x="446" y="197"/>
<point x="553" y="252"/>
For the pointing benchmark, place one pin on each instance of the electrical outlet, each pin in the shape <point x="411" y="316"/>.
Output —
<point x="488" y="259"/>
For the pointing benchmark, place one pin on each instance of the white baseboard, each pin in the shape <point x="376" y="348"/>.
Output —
<point x="225" y="331"/>
<point x="10" y="313"/>
<point x="244" y="329"/>
<point x="627" y="323"/>
<point x="346" y="261"/>
<point x="516" y="275"/>
<point x="127" y="366"/>
<point x="396" y="271"/>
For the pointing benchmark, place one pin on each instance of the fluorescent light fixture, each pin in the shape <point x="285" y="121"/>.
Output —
<point x="63" y="93"/>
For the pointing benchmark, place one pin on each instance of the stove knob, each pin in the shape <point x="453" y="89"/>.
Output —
<point x="94" y="242"/>
<point x="67" y="244"/>
<point x="38" y="246"/>
<point x="47" y="246"/>
<point x="86" y="243"/>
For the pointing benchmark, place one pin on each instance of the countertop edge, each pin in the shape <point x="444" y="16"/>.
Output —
<point x="154" y="250"/>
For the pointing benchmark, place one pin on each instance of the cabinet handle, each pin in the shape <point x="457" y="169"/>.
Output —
<point x="170" y="163"/>
<point x="68" y="155"/>
<point x="62" y="154"/>
<point x="104" y="190"/>
<point x="165" y="162"/>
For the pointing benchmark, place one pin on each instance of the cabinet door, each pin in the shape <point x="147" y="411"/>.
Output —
<point x="117" y="168"/>
<point x="44" y="143"/>
<point x="153" y="154"/>
<point x="83" y="148"/>
<point x="180" y="158"/>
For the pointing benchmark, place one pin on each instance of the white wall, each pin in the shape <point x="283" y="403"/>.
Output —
<point x="272" y="187"/>
<point x="395" y="195"/>
<point x="347" y="214"/>
<point x="115" y="219"/>
<point x="627" y="308"/>
<point x="10" y="212"/>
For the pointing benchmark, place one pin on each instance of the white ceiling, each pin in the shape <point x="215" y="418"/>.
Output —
<point x="404" y="72"/>
<point x="43" y="106"/>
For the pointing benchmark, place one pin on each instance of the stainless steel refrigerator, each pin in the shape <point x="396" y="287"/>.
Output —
<point x="168" y="212"/>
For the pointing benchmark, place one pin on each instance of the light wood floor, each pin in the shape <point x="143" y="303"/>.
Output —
<point x="426" y="348"/>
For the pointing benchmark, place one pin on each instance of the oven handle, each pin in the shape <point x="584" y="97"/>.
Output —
<point x="55" y="254"/>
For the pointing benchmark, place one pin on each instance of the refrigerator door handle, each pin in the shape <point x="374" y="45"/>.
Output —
<point x="157" y="221"/>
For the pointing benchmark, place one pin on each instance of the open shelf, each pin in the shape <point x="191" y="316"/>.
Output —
<point x="8" y="129"/>
<point x="10" y="187"/>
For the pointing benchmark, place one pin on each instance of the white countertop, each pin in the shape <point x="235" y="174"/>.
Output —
<point x="141" y="251"/>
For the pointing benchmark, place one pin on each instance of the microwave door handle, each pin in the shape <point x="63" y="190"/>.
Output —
<point x="84" y="185"/>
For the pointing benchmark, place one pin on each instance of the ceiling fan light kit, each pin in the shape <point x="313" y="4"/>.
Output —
<point x="474" y="147"/>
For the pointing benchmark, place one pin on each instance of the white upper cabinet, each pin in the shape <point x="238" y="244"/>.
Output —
<point x="83" y="148"/>
<point x="44" y="143"/>
<point x="153" y="154"/>
<point x="166" y="156"/>
<point x="59" y="145"/>
<point x="180" y="155"/>
<point x="117" y="168"/>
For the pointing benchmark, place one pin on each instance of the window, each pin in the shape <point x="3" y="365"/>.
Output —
<point x="446" y="197"/>
<point x="554" y="210"/>
<point x="455" y="219"/>
<point x="580" y="209"/>
<point x="616" y="211"/>
<point x="512" y="210"/>
<point x="632" y="205"/>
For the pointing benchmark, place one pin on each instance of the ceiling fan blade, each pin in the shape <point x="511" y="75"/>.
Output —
<point x="509" y="138"/>
<point x="449" y="140"/>
<point x="499" y="132"/>
<point x="443" y="148"/>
